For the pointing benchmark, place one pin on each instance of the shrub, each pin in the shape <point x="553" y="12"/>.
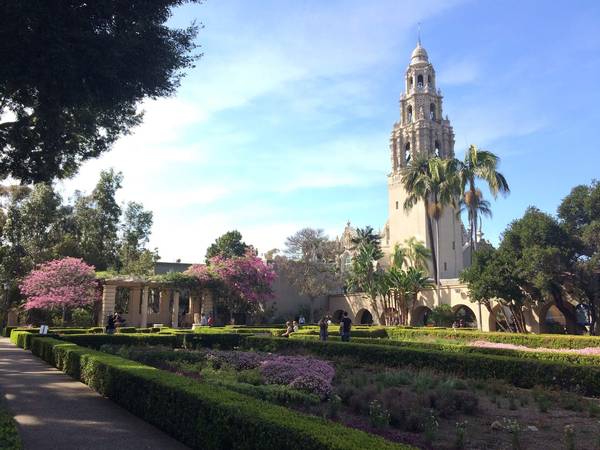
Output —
<point x="199" y="415"/>
<point x="518" y="371"/>
<point x="9" y="435"/>
<point x="97" y="340"/>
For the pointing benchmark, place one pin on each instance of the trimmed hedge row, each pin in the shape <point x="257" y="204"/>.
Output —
<point x="97" y="340"/>
<point x="528" y="340"/>
<point x="521" y="372"/>
<point x="187" y="340"/>
<point x="200" y="415"/>
<point x="459" y="348"/>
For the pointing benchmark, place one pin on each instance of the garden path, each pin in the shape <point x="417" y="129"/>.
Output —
<point x="55" y="412"/>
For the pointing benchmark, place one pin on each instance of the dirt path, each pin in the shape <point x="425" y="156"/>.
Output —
<point x="54" y="411"/>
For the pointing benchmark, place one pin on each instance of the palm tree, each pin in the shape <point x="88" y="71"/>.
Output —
<point x="480" y="164"/>
<point x="475" y="209"/>
<point x="434" y="182"/>
<point x="366" y="236"/>
<point x="416" y="253"/>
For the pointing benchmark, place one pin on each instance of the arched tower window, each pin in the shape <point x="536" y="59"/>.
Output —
<point x="432" y="111"/>
<point x="410" y="81"/>
<point x="428" y="79"/>
<point x="409" y="113"/>
<point x="407" y="152"/>
<point x="420" y="81"/>
<point x="436" y="148"/>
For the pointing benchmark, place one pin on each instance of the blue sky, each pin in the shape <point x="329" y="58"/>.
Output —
<point x="285" y="120"/>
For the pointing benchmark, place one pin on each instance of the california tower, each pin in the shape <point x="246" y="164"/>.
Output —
<point x="421" y="130"/>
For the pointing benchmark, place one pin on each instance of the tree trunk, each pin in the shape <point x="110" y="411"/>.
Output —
<point x="437" y="249"/>
<point x="310" y="313"/>
<point x="433" y="252"/>
<point x="64" y="315"/>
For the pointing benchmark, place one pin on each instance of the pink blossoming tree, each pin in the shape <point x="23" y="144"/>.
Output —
<point x="242" y="283"/>
<point x="60" y="284"/>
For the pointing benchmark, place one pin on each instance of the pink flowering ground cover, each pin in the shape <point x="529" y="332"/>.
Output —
<point x="306" y="374"/>
<point x="299" y="372"/>
<point x="589" y="351"/>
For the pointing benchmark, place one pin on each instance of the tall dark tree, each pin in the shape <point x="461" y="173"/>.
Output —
<point x="97" y="219"/>
<point x="580" y="216"/>
<point x="73" y="74"/>
<point x="136" y="227"/>
<point x="543" y="255"/>
<point x="228" y="245"/>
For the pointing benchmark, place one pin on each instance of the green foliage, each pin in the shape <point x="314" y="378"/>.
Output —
<point x="98" y="340"/>
<point x="200" y="415"/>
<point x="82" y="97"/>
<point x="442" y="316"/>
<point x="136" y="228"/>
<point x="517" y="371"/>
<point x="9" y="434"/>
<point x="228" y="245"/>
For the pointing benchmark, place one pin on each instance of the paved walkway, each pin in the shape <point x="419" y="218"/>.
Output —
<point x="55" y="412"/>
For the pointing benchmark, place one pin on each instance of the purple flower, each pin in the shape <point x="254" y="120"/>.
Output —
<point x="300" y="372"/>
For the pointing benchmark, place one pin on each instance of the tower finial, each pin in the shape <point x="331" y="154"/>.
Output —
<point x="419" y="34"/>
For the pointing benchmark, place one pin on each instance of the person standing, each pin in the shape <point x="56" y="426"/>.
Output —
<point x="110" y="325"/>
<point x="345" y="326"/>
<point x="324" y="328"/>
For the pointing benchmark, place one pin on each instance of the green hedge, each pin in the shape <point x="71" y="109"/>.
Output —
<point x="518" y="371"/>
<point x="201" y="416"/>
<point x="528" y="340"/>
<point x="98" y="340"/>
<point x="9" y="434"/>
<point x="463" y="335"/>
<point x="460" y="348"/>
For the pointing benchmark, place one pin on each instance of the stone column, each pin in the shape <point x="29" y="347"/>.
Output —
<point x="175" y="316"/>
<point x="163" y="306"/>
<point x="109" y="294"/>
<point x="144" y="317"/>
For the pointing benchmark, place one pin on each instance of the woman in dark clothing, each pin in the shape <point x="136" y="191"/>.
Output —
<point x="110" y="325"/>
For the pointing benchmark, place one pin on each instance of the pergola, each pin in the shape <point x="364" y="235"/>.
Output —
<point x="143" y="302"/>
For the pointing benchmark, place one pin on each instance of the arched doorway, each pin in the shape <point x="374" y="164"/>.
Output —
<point x="364" y="317"/>
<point x="420" y="316"/>
<point x="554" y="321"/>
<point x="464" y="316"/>
<point x="336" y="317"/>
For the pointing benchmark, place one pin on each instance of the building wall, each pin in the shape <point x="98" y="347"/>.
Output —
<point x="288" y="301"/>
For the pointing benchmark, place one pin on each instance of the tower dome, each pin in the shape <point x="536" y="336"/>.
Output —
<point x="419" y="54"/>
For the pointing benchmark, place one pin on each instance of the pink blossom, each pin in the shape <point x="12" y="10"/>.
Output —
<point x="67" y="282"/>
<point x="247" y="277"/>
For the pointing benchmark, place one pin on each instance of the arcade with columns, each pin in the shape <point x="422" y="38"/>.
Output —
<point x="143" y="303"/>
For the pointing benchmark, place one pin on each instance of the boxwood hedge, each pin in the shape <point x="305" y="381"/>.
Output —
<point x="462" y="348"/>
<point x="200" y="415"/>
<point x="518" y="371"/>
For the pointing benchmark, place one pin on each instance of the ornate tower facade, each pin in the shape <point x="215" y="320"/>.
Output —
<point x="421" y="130"/>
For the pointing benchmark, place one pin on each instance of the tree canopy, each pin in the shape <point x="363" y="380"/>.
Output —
<point x="73" y="75"/>
<point x="63" y="283"/>
<point x="228" y="245"/>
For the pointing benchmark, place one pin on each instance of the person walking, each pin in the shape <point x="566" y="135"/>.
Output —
<point x="324" y="328"/>
<point x="345" y="326"/>
<point x="110" y="325"/>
